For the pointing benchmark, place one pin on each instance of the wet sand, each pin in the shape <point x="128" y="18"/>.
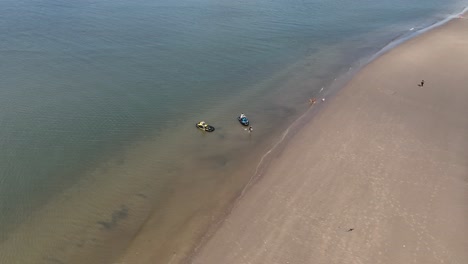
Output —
<point x="378" y="175"/>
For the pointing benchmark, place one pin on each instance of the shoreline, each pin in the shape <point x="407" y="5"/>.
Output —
<point x="386" y="50"/>
<point x="142" y="210"/>
<point x="332" y="90"/>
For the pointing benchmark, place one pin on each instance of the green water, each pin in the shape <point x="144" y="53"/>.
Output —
<point x="98" y="102"/>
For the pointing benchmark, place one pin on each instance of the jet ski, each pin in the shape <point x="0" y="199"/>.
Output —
<point x="205" y="127"/>
<point x="243" y="120"/>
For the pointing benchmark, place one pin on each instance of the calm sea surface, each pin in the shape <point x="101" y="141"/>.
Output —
<point x="99" y="155"/>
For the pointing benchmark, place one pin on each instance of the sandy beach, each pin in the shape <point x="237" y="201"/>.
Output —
<point x="378" y="175"/>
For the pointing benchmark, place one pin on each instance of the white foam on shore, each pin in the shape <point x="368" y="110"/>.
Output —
<point x="396" y="42"/>
<point x="261" y="164"/>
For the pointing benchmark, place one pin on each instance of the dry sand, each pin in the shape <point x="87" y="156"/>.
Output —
<point x="379" y="175"/>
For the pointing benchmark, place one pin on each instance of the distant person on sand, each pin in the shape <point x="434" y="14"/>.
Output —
<point x="250" y="129"/>
<point x="421" y="84"/>
<point x="312" y="100"/>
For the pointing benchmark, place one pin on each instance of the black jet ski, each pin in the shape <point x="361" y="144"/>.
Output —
<point x="243" y="120"/>
<point x="205" y="127"/>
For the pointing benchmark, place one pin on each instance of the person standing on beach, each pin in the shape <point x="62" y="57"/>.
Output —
<point x="421" y="84"/>
<point x="250" y="129"/>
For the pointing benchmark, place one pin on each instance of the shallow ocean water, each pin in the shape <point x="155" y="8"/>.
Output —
<point x="98" y="101"/>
